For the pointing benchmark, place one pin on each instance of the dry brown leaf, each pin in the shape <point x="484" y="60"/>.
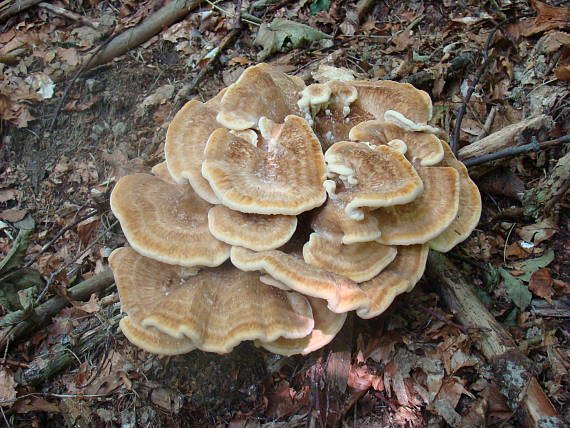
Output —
<point x="7" y="387"/>
<point x="538" y="232"/>
<point x="35" y="404"/>
<point x="541" y="284"/>
<point x="13" y="215"/>
<point x="549" y="18"/>
<point x="8" y="195"/>
<point x="515" y="251"/>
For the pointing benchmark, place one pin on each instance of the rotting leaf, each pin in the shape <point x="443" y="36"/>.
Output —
<point x="541" y="284"/>
<point x="532" y="265"/>
<point x="7" y="387"/>
<point x="15" y="256"/>
<point x="518" y="292"/>
<point x="282" y="35"/>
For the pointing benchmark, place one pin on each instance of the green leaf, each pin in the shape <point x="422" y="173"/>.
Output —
<point x="532" y="265"/>
<point x="518" y="292"/>
<point x="492" y="277"/>
<point x="510" y="319"/>
<point x="319" y="5"/>
<point x="282" y="35"/>
<point x="15" y="256"/>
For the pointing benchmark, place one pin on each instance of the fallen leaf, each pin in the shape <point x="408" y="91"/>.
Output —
<point x="13" y="215"/>
<point x="7" y="387"/>
<point x="8" y="195"/>
<point x="282" y="35"/>
<point x="538" y="232"/>
<point x="541" y="284"/>
<point x="35" y="404"/>
<point x="549" y="18"/>
<point x="518" y="292"/>
<point x="532" y="265"/>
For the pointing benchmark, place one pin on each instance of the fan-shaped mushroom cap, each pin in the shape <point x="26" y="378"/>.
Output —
<point x="425" y="217"/>
<point x="381" y="96"/>
<point x="423" y="147"/>
<point x="152" y="340"/>
<point x="216" y="309"/>
<point x="400" y="276"/>
<point x="286" y="178"/>
<point x="372" y="177"/>
<point x="260" y="91"/>
<point x="166" y="222"/>
<point x="469" y="207"/>
<point x="359" y="262"/>
<point x="161" y="171"/>
<point x="331" y="221"/>
<point x="186" y="140"/>
<point x="257" y="232"/>
<point x="342" y="294"/>
<point x="327" y="325"/>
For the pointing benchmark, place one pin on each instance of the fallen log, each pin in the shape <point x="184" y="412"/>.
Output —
<point x="17" y="7"/>
<point x="44" y="312"/>
<point x="515" y="380"/>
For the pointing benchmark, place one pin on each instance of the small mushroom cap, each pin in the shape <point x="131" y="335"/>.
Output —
<point x="260" y="91"/>
<point x="166" y="222"/>
<point x="257" y="232"/>
<point x="327" y="325"/>
<point x="425" y="217"/>
<point x="423" y="147"/>
<point x="152" y="340"/>
<point x="469" y="207"/>
<point x="359" y="262"/>
<point x="216" y="309"/>
<point x="375" y="177"/>
<point x="341" y="293"/>
<point x="378" y="97"/>
<point x="186" y="140"/>
<point x="314" y="95"/>
<point x="400" y="276"/>
<point x="331" y="221"/>
<point x="284" y="176"/>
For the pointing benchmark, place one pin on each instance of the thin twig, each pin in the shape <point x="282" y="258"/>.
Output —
<point x="68" y="14"/>
<point x="443" y="319"/>
<point x="454" y="143"/>
<point x="61" y="233"/>
<point x="83" y="67"/>
<point x="15" y="364"/>
<point x="513" y="151"/>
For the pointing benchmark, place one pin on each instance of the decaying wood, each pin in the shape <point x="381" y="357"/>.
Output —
<point x="164" y="17"/>
<point x="44" y="312"/>
<point x="552" y="190"/>
<point x="68" y="14"/>
<point x="513" y="135"/>
<point x="17" y="7"/>
<point x="516" y="381"/>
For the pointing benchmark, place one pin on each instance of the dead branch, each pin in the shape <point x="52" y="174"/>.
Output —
<point x="513" y="135"/>
<point x="495" y="343"/>
<point x="68" y="14"/>
<point x="534" y="146"/>
<point x="17" y="7"/>
<point x="164" y="17"/>
<point x="44" y="312"/>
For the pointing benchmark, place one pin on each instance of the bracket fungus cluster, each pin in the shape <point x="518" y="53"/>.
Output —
<point x="280" y="208"/>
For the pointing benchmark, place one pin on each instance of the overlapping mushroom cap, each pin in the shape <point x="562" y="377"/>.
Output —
<point x="223" y="248"/>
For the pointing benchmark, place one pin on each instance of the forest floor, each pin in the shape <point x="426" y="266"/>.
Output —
<point x="66" y="140"/>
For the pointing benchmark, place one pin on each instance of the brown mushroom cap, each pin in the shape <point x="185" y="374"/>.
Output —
<point x="215" y="309"/>
<point x="400" y="276"/>
<point x="469" y="207"/>
<point x="152" y="340"/>
<point x="425" y="217"/>
<point x="378" y="97"/>
<point x="166" y="222"/>
<point x="327" y="325"/>
<point x="331" y="220"/>
<point x="372" y="177"/>
<point x="254" y="231"/>
<point x="161" y="171"/>
<point x="359" y="262"/>
<point x="421" y="146"/>
<point x="341" y="293"/>
<point x="284" y="176"/>
<point x="185" y="143"/>
<point x="260" y="91"/>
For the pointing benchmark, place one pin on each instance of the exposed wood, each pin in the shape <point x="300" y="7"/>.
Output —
<point x="495" y="342"/>
<point x="513" y="135"/>
<point x="45" y="311"/>
<point x="164" y="17"/>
